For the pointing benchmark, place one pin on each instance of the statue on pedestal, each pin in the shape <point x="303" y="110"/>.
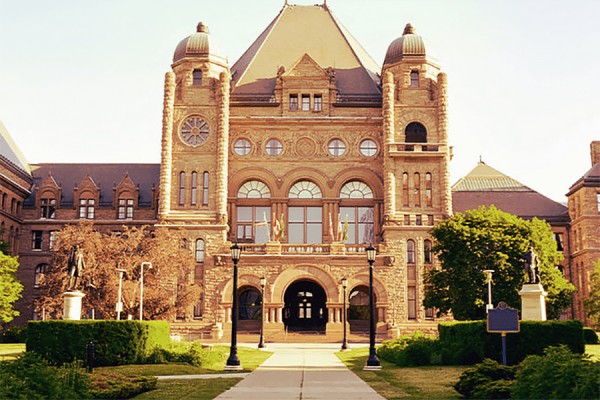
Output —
<point x="531" y="266"/>
<point x="75" y="266"/>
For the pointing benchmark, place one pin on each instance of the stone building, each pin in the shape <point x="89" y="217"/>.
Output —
<point x="304" y="151"/>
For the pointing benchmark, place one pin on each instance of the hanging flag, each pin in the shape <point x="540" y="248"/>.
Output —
<point x="281" y="227"/>
<point x="331" y="228"/>
<point x="276" y="229"/>
<point x="339" y="229"/>
<point x="345" y="235"/>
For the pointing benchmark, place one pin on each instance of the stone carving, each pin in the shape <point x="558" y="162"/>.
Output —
<point x="75" y="267"/>
<point x="530" y="260"/>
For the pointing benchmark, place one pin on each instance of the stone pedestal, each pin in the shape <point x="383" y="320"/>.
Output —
<point x="533" y="302"/>
<point x="338" y="248"/>
<point x="72" y="305"/>
<point x="273" y="248"/>
<point x="216" y="331"/>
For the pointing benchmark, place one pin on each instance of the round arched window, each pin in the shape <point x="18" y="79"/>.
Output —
<point x="336" y="147"/>
<point x="242" y="147"/>
<point x="305" y="190"/>
<point x="273" y="147"/>
<point x="415" y="133"/>
<point x="356" y="190"/>
<point x="368" y="148"/>
<point x="254" y="190"/>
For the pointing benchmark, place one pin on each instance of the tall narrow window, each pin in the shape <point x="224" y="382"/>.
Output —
<point x="125" y="210"/>
<point x="306" y="102"/>
<point x="427" y="251"/>
<point x="412" y="302"/>
<point x="410" y="251"/>
<point x="414" y="78"/>
<point x="199" y="250"/>
<point x="417" y="192"/>
<point x="52" y="240"/>
<point x="293" y="102"/>
<point x="87" y="208"/>
<point x="318" y="103"/>
<point x="205" y="188"/>
<point x="48" y="208"/>
<point x="4" y="201"/>
<point x="181" y="188"/>
<point x="38" y="273"/>
<point x="428" y="190"/>
<point x="598" y="200"/>
<point x="405" y="189"/>
<point x="194" y="188"/>
<point x="197" y="77"/>
<point x="36" y="240"/>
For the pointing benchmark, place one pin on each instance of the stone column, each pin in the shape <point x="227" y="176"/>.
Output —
<point x="389" y="196"/>
<point x="223" y="147"/>
<point x="443" y="134"/>
<point x="166" y="155"/>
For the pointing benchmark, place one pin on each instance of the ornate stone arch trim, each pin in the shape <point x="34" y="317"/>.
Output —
<point x="311" y="272"/>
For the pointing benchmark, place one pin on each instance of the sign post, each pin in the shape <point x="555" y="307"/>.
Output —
<point x="503" y="320"/>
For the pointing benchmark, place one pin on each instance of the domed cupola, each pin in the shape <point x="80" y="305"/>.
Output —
<point x="200" y="44"/>
<point x="409" y="44"/>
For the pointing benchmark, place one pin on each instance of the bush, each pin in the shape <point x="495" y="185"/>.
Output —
<point x="15" y="334"/>
<point x="414" y="350"/>
<point x="488" y="380"/>
<point x="30" y="377"/>
<point x="590" y="336"/>
<point x="559" y="374"/>
<point x="119" y="386"/>
<point x="187" y="353"/>
<point x="116" y="342"/>
<point x="467" y="342"/>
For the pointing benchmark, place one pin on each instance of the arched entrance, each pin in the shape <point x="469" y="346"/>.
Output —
<point x="250" y="309"/>
<point x="304" y="308"/>
<point x="358" y="310"/>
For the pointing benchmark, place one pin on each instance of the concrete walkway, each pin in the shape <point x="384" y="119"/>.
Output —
<point x="301" y="372"/>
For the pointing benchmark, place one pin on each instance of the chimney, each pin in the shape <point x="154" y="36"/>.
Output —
<point x="595" y="152"/>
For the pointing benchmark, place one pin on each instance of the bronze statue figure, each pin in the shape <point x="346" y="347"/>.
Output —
<point x="75" y="266"/>
<point x="531" y="266"/>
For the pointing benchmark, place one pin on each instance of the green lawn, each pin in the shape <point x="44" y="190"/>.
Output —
<point x="9" y="351"/>
<point x="394" y="382"/>
<point x="593" y="350"/>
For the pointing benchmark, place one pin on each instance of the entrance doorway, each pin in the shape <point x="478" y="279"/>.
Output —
<point x="358" y="310"/>
<point x="304" y="308"/>
<point x="250" y="309"/>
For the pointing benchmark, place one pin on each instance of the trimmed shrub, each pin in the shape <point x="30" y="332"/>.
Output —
<point x="590" y="336"/>
<point x="414" y="350"/>
<point x="14" y="334"/>
<point x="119" y="386"/>
<point x="488" y="380"/>
<point x="116" y="342"/>
<point x="192" y="354"/>
<point x="467" y="342"/>
<point x="559" y="374"/>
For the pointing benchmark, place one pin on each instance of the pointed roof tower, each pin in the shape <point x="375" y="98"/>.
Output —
<point x="312" y="30"/>
<point x="486" y="186"/>
<point x="10" y="151"/>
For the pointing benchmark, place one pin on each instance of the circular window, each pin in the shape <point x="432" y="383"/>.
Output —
<point x="368" y="148"/>
<point x="242" y="147"/>
<point x="336" y="147"/>
<point x="274" y="147"/>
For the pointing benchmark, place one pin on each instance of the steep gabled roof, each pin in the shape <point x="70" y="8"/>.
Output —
<point x="306" y="29"/>
<point x="11" y="152"/>
<point x="487" y="186"/>
<point x="590" y="179"/>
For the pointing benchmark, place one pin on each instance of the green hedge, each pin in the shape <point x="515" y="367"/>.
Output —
<point x="467" y="342"/>
<point x="590" y="336"/>
<point x="116" y="342"/>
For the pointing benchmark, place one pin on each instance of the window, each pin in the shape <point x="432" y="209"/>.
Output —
<point x="360" y="224"/>
<point x="38" y="273"/>
<point x="412" y="302"/>
<point x="598" y="200"/>
<point x="87" y="208"/>
<point x="253" y="190"/>
<point x="428" y="191"/>
<point x="293" y="102"/>
<point x="253" y="224"/>
<point x="318" y="103"/>
<point x="13" y="202"/>
<point x="36" y="240"/>
<point x="305" y="224"/>
<point x="356" y="190"/>
<point x="181" y="188"/>
<point x="48" y="208"/>
<point x="415" y="133"/>
<point x="405" y="189"/>
<point x="418" y="219"/>
<point x="336" y="147"/>
<point x="242" y="147"/>
<point x="199" y="250"/>
<point x="430" y="220"/>
<point x="417" y="192"/>
<point x="194" y="200"/>
<point x="368" y="148"/>
<point x="410" y="251"/>
<point x="406" y="219"/>
<point x="205" y="188"/>
<point x="558" y="237"/>
<point x="429" y="313"/>
<point x="305" y="102"/>
<point x="414" y="78"/>
<point x="305" y="190"/>
<point x="125" y="209"/>
<point x="197" y="77"/>
<point x="274" y="147"/>
<point x="427" y="251"/>
<point x="52" y="240"/>
<point x="4" y="201"/>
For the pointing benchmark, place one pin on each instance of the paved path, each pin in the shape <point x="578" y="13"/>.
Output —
<point x="301" y="372"/>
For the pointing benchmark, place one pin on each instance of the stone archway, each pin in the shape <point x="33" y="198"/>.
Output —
<point x="305" y="307"/>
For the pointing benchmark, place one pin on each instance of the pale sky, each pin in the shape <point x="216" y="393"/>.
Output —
<point x="82" y="81"/>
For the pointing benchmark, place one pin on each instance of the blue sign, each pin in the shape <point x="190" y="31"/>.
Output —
<point x="503" y="319"/>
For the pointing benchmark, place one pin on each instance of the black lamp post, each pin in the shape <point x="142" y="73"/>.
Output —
<point x="373" y="360"/>
<point x="261" y="343"/>
<point x="233" y="362"/>
<point x="344" y="311"/>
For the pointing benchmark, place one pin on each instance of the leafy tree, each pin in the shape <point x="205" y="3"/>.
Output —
<point x="10" y="287"/>
<point x="169" y="289"/>
<point x="592" y="303"/>
<point x="488" y="238"/>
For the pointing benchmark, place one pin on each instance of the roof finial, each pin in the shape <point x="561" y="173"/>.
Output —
<point x="202" y="27"/>
<point x="481" y="159"/>
<point x="408" y="29"/>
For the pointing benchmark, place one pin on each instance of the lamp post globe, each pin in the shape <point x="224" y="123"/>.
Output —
<point x="373" y="360"/>
<point x="233" y="362"/>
